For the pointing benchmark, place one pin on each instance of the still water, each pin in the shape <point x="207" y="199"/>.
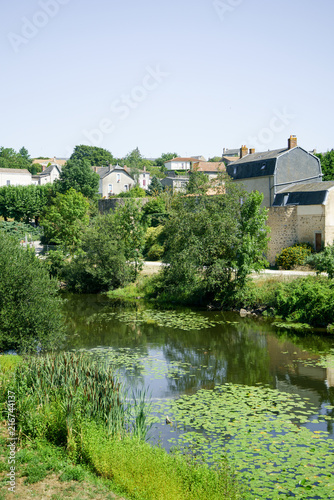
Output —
<point x="231" y="386"/>
<point x="171" y="361"/>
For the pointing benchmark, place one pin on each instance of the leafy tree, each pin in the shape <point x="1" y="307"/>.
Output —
<point x="327" y="165"/>
<point x="101" y="264"/>
<point x="135" y="192"/>
<point x="65" y="220"/>
<point x="215" y="159"/>
<point x="130" y="228"/>
<point x="198" y="182"/>
<point x="24" y="202"/>
<point x="155" y="187"/>
<point x="9" y="158"/>
<point x="93" y="155"/>
<point x="78" y="175"/>
<point x="30" y="311"/>
<point x="213" y="243"/>
<point x="164" y="158"/>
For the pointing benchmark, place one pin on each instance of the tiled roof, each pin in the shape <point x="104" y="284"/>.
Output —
<point x="14" y="171"/>
<point x="208" y="166"/>
<point x="182" y="159"/>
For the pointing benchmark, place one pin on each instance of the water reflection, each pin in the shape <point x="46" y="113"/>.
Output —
<point x="173" y="361"/>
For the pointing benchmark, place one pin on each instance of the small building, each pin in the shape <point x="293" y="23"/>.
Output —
<point x="144" y="179"/>
<point x="48" y="176"/>
<point x="15" y="177"/>
<point x="211" y="168"/>
<point x="180" y="163"/>
<point x="113" y="180"/>
<point x="271" y="171"/>
<point x="177" y="183"/>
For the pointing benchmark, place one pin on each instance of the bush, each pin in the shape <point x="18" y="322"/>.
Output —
<point x="20" y="230"/>
<point x="293" y="256"/>
<point x="306" y="300"/>
<point x="155" y="252"/>
<point x="323" y="261"/>
<point x="30" y="311"/>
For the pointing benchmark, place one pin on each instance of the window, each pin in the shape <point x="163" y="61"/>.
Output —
<point x="126" y="187"/>
<point x="109" y="188"/>
<point x="118" y="177"/>
<point x="144" y="182"/>
<point x="8" y="183"/>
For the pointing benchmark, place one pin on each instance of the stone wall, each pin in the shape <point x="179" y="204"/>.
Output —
<point x="105" y="205"/>
<point x="283" y="224"/>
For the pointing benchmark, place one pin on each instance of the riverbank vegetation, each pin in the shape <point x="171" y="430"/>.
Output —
<point x="75" y="403"/>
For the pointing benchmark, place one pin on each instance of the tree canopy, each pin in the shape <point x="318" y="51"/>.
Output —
<point x="213" y="243"/>
<point x="93" y="155"/>
<point x="9" y="158"/>
<point x="165" y="157"/>
<point x="23" y="203"/>
<point x="64" y="221"/>
<point x="327" y="165"/>
<point x="78" y="174"/>
<point x="30" y="311"/>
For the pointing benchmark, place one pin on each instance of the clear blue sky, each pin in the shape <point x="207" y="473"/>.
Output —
<point x="190" y="76"/>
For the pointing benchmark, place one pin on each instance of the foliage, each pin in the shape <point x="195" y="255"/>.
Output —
<point x="198" y="182"/>
<point x="20" y="230"/>
<point x="156" y="205"/>
<point x="130" y="229"/>
<point x="30" y="315"/>
<point x="9" y="158"/>
<point x="165" y="157"/>
<point x="323" y="261"/>
<point x="78" y="174"/>
<point x="293" y="256"/>
<point x="135" y="192"/>
<point x="215" y="159"/>
<point x="63" y="222"/>
<point x="213" y="243"/>
<point x="93" y="155"/>
<point x="155" y="187"/>
<point x="327" y="165"/>
<point x="154" y="242"/>
<point x="24" y="202"/>
<point x="101" y="264"/>
<point x="306" y="300"/>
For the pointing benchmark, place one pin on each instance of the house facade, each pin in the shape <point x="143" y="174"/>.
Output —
<point x="15" y="177"/>
<point x="271" y="171"/>
<point x="48" y="176"/>
<point x="113" y="180"/>
<point x="180" y="163"/>
<point x="210" y="168"/>
<point x="177" y="183"/>
<point x="144" y="179"/>
<point x="301" y="213"/>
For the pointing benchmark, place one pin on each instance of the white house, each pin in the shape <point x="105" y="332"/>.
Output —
<point x="48" y="176"/>
<point x="15" y="177"/>
<point x="144" y="179"/>
<point x="180" y="163"/>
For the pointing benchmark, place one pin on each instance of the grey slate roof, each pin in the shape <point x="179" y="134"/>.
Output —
<point x="49" y="169"/>
<point x="255" y="165"/>
<point x="313" y="193"/>
<point x="104" y="171"/>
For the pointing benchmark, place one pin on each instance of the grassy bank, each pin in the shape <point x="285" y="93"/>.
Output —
<point x="73" y="423"/>
<point x="297" y="300"/>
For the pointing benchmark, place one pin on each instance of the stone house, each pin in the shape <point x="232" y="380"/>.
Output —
<point x="271" y="171"/>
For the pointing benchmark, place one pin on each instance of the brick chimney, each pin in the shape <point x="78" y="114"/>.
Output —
<point x="243" y="151"/>
<point x="252" y="151"/>
<point x="292" y="142"/>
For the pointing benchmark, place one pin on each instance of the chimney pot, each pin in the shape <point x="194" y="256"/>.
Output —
<point x="251" y="151"/>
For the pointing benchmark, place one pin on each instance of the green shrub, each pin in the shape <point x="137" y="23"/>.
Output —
<point x="293" y="256"/>
<point x="21" y="230"/>
<point x="306" y="300"/>
<point x="30" y="310"/>
<point x="155" y="252"/>
<point x="323" y="261"/>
